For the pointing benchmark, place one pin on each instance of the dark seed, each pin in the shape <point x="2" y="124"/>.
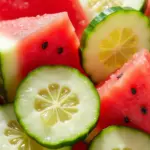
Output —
<point x="60" y="50"/>
<point x="133" y="91"/>
<point x="144" y="110"/>
<point x="126" y="119"/>
<point x="119" y="76"/>
<point x="44" y="45"/>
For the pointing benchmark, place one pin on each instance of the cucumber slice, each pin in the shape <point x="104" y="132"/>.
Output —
<point x="121" y="138"/>
<point x="93" y="7"/>
<point x="57" y="105"/>
<point x="12" y="136"/>
<point x="111" y="39"/>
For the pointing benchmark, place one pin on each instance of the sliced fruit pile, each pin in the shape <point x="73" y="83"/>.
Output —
<point x="57" y="104"/>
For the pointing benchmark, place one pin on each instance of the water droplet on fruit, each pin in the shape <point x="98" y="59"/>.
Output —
<point x="133" y="91"/>
<point x="60" y="50"/>
<point x="126" y="119"/>
<point x="44" y="45"/>
<point x="144" y="110"/>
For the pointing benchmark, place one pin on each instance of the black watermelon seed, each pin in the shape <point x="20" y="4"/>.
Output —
<point x="126" y="119"/>
<point x="144" y="110"/>
<point x="133" y="91"/>
<point x="119" y="76"/>
<point x="44" y="45"/>
<point x="60" y="50"/>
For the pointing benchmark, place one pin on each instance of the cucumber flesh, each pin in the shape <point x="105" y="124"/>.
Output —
<point x="121" y="138"/>
<point x="111" y="39"/>
<point x="93" y="7"/>
<point x="12" y="136"/>
<point x="62" y="102"/>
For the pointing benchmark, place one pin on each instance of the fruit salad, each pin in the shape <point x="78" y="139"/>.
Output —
<point x="74" y="75"/>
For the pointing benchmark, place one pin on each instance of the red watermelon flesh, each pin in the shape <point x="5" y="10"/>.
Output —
<point x="125" y="98"/>
<point x="80" y="146"/>
<point x="28" y="43"/>
<point x="12" y="9"/>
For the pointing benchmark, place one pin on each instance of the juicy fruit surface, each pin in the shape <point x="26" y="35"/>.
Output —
<point x="57" y="101"/>
<point x="107" y="46"/>
<point x="121" y="138"/>
<point x="36" y="41"/>
<point x="12" y="9"/>
<point x="125" y="95"/>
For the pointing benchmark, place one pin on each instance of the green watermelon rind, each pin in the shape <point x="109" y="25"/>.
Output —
<point x="100" y="19"/>
<point x="111" y="129"/>
<point x="3" y="92"/>
<point x="69" y="141"/>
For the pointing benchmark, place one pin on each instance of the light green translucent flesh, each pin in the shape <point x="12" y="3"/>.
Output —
<point x="62" y="103"/>
<point x="12" y="136"/>
<point x="121" y="138"/>
<point x="56" y="104"/>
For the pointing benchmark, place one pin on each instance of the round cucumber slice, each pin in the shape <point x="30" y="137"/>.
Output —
<point x="93" y="7"/>
<point x="111" y="39"/>
<point x="121" y="138"/>
<point x="12" y="136"/>
<point x="57" y="105"/>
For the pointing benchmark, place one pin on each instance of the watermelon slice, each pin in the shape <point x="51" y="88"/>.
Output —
<point x="12" y="9"/>
<point x="30" y="42"/>
<point x="125" y="98"/>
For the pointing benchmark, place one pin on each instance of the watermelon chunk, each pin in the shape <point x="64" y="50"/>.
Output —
<point x="30" y="42"/>
<point x="13" y="9"/>
<point x="125" y="98"/>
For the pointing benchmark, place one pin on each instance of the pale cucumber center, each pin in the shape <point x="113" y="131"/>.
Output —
<point x="16" y="136"/>
<point x="100" y="5"/>
<point x="56" y="104"/>
<point x="118" y="47"/>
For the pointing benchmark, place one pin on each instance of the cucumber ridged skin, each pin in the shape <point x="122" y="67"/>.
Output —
<point x="105" y="15"/>
<point x="68" y="142"/>
<point x="111" y="129"/>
